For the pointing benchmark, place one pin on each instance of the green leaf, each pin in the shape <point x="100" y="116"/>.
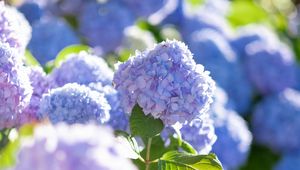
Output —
<point x="144" y="126"/>
<point x="175" y="160"/>
<point x="30" y="60"/>
<point x="188" y="147"/>
<point x="125" y="54"/>
<point x="244" y="12"/>
<point x="63" y="54"/>
<point x="131" y="142"/>
<point x="157" y="148"/>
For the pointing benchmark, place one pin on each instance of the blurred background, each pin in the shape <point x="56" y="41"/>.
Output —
<point x="251" y="48"/>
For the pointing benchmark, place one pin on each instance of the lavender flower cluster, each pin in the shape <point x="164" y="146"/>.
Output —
<point x="166" y="82"/>
<point x="75" y="147"/>
<point x="15" y="91"/>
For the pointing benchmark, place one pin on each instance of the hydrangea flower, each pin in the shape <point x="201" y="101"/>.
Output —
<point x="15" y="88"/>
<point x="75" y="147"/>
<point x="69" y="7"/>
<point x="250" y="34"/>
<point x="118" y="118"/>
<point x="14" y="28"/>
<point x="83" y="68"/>
<point x="32" y="12"/>
<point x="234" y="138"/>
<point x="271" y="68"/>
<point x="176" y="17"/>
<point x="47" y="38"/>
<point x="165" y="82"/>
<point x="289" y="161"/>
<point x="74" y="103"/>
<point x="193" y="23"/>
<point x="200" y="134"/>
<point x="144" y="8"/>
<point x="103" y="23"/>
<point x="41" y="84"/>
<point x="275" y="121"/>
<point x="214" y="52"/>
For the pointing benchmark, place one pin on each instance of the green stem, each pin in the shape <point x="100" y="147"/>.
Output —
<point x="147" y="162"/>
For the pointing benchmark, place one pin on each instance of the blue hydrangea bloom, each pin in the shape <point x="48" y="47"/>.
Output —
<point x="83" y="68"/>
<point x="144" y="8"/>
<point x="41" y="84"/>
<point x="118" y="118"/>
<point x="165" y="82"/>
<point x="15" y="88"/>
<point x="289" y="161"/>
<point x="234" y="138"/>
<point x="200" y="134"/>
<point x="276" y="120"/>
<point x="297" y="84"/>
<point x="176" y="17"/>
<point x="203" y="20"/>
<point x="271" y="68"/>
<point x="251" y="34"/>
<point x="75" y="147"/>
<point x="14" y="28"/>
<point x="214" y="52"/>
<point x="47" y="38"/>
<point x="74" y="103"/>
<point x="69" y="7"/>
<point x="103" y="23"/>
<point x="31" y="11"/>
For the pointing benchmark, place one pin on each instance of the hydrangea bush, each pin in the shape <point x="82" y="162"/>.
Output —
<point x="57" y="93"/>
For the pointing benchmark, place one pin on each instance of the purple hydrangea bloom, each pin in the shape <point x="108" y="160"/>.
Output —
<point x="165" y="82"/>
<point x="276" y="120"/>
<point x="200" y="134"/>
<point x="74" y="103"/>
<point x="76" y="147"/>
<point x="83" y="68"/>
<point x="234" y="138"/>
<point x="31" y="11"/>
<point x="271" y="68"/>
<point x="118" y="118"/>
<point x="15" y="88"/>
<point x="14" y="28"/>
<point x="41" y="84"/>
<point x="47" y="38"/>
<point x="214" y="52"/>
<point x="102" y="24"/>
<point x="289" y="161"/>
